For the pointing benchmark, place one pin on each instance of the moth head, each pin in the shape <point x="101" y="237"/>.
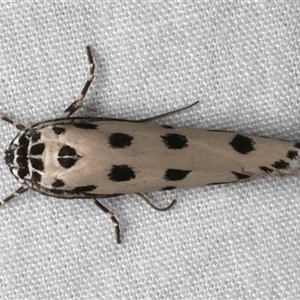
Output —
<point x="16" y="156"/>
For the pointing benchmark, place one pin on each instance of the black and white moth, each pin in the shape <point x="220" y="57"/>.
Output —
<point x="100" y="157"/>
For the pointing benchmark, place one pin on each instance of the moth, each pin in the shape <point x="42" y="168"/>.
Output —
<point x="88" y="157"/>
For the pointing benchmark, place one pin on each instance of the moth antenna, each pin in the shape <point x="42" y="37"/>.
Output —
<point x="10" y="121"/>
<point x="166" y="113"/>
<point x="18" y="192"/>
<point x="155" y="207"/>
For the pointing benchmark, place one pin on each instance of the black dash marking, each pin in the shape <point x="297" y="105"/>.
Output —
<point x="297" y="145"/>
<point x="22" y="162"/>
<point x="242" y="144"/>
<point x="176" y="174"/>
<point x="66" y="151"/>
<point x="167" y="188"/>
<point x="57" y="192"/>
<point x="23" y="139"/>
<point x="217" y="130"/>
<point x="221" y="182"/>
<point x="109" y="195"/>
<point x="281" y="164"/>
<point x="292" y="154"/>
<point x="59" y="130"/>
<point x="37" y="164"/>
<point x="121" y="173"/>
<point x="86" y="126"/>
<point x="266" y="169"/>
<point x="167" y="126"/>
<point x="240" y="176"/>
<point x="37" y="149"/>
<point x="22" y="151"/>
<point x="175" y="141"/>
<point x="36" y="177"/>
<point x="22" y="173"/>
<point x="120" y="140"/>
<point x="83" y="189"/>
<point x="36" y="136"/>
<point x="58" y="183"/>
<point x="67" y="162"/>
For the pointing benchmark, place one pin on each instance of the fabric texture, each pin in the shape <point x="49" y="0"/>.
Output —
<point x="234" y="241"/>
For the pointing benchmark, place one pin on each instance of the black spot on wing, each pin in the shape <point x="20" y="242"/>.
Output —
<point x="281" y="164"/>
<point x="59" y="130"/>
<point x="22" y="173"/>
<point x="86" y="125"/>
<point x="66" y="151"/>
<point x="240" y="176"/>
<point x="242" y="144"/>
<point x="37" y="164"/>
<point x="266" y="169"/>
<point x="121" y="173"/>
<point x="167" y="126"/>
<point x="297" y="145"/>
<point x="67" y="162"/>
<point x="292" y="154"/>
<point x="83" y="189"/>
<point x="36" y="136"/>
<point x="37" y="149"/>
<point x="36" y="177"/>
<point x="120" y="140"/>
<point x="175" y="141"/>
<point x="176" y="174"/>
<point x="167" y="188"/>
<point x="58" y="183"/>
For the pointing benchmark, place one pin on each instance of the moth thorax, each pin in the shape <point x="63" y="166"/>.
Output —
<point x="16" y="156"/>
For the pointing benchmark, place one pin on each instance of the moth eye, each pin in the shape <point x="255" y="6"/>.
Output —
<point x="9" y="156"/>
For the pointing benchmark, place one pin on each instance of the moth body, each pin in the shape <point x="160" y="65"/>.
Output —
<point x="94" y="157"/>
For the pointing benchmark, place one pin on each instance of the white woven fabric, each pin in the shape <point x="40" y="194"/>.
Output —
<point x="235" y="241"/>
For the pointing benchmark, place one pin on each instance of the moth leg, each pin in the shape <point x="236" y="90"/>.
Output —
<point x="18" y="192"/>
<point x="155" y="207"/>
<point x="167" y="113"/>
<point x="112" y="217"/>
<point x="79" y="102"/>
<point x="10" y="121"/>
